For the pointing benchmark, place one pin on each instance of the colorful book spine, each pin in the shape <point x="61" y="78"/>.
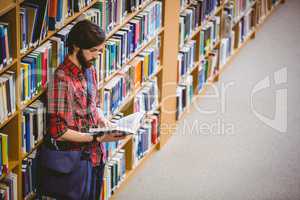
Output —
<point x="34" y="23"/>
<point x="115" y="93"/>
<point x="114" y="174"/>
<point x="146" y="100"/>
<point x="35" y="69"/>
<point x="209" y="36"/>
<point x="184" y="95"/>
<point x="5" y="44"/>
<point x="186" y="59"/>
<point x="9" y="187"/>
<point x="29" y="176"/>
<point x="33" y="125"/>
<point x="226" y="48"/>
<point x="130" y="38"/>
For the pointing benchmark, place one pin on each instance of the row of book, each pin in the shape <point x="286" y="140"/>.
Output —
<point x="3" y="153"/>
<point x="9" y="187"/>
<point x="234" y="38"/>
<point x="238" y="8"/>
<point x="147" y="98"/>
<point x="124" y="43"/>
<point x="38" y="17"/>
<point x="184" y="95"/>
<point x="211" y="65"/>
<point x="209" y="35"/>
<point x="35" y="70"/>
<point x="33" y="125"/>
<point x="244" y="27"/>
<point x="114" y="174"/>
<point x="34" y="23"/>
<point x="148" y="135"/>
<point x="29" y="176"/>
<point x="187" y="58"/>
<point x="133" y="76"/>
<point x="113" y="13"/>
<point x="194" y="16"/>
<point x="226" y="48"/>
<point x="143" y="66"/>
<point x="152" y="118"/>
<point x="7" y="95"/>
<point x="115" y="93"/>
<point x="5" y="44"/>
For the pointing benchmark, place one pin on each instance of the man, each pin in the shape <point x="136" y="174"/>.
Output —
<point x="72" y="101"/>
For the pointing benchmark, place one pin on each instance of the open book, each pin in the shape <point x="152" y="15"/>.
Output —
<point x="125" y="126"/>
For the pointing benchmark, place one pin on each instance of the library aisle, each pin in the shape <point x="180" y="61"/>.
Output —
<point x="227" y="149"/>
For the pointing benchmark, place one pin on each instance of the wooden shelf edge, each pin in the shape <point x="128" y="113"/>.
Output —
<point x="12" y="165"/>
<point x="8" y="8"/>
<point x="33" y="99"/>
<point x="25" y="155"/>
<point x="8" y="119"/>
<point x="7" y="67"/>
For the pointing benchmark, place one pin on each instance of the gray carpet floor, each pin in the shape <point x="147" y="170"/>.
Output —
<point x="226" y="149"/>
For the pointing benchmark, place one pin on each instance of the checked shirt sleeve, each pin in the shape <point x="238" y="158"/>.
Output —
<point x="60" y="105"/>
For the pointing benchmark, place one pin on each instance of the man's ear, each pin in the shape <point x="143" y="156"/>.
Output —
<point x="76" y="49"/>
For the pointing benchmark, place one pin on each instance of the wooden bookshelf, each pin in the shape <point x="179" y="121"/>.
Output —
<point x="166" y="74"/>
<point x="8" y="67"/>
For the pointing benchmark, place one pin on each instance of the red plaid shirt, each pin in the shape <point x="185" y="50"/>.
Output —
<point x="71" y="107"/>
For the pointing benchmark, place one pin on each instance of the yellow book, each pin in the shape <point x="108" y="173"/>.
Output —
<point x="4" y="143"/>
<point x="25" y="81"/>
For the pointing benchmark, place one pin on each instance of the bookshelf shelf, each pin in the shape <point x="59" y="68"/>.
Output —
<point x="9" y="118"/>
<point x="34" y="98"/>
<point x="25" y="155"/>
<point x="6" y="6"/>
<point x="12" y="164"/>
<point x="7" y="67"/>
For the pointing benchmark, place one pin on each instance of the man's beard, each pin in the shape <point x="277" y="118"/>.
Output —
<point x="82" y="61"/>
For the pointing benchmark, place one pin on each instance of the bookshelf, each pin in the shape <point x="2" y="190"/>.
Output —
<point x="165" y="74"/>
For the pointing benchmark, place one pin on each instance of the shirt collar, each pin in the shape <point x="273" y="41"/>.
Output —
<point x="74" y="69"/>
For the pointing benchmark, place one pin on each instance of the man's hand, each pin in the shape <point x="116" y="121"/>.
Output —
<point x="111" y="137"/>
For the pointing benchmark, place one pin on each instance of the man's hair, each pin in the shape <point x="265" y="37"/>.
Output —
<point x="85" y="35"/>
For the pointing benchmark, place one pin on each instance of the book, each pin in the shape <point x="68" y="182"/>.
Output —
<point x="5" y="44"/>
<point x="125" y="126"/>
<point x="7" y="94"/>
<point x="33" y="125"/>
<point x="186" y="59"/>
